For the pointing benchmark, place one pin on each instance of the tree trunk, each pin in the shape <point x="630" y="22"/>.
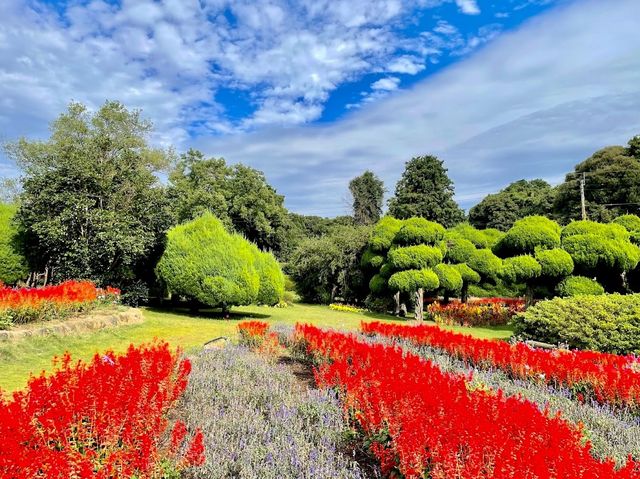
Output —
<point x="419" y="305"/>
<point x="529" y="296"/>
<point x="333" y="292"/>
<point x="464" y="294"/>
<point x="396" y="298"/>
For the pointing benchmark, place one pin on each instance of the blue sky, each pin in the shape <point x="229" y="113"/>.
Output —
<point x="313" y="92"/>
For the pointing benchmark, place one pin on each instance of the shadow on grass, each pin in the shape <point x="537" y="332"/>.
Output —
<point x="207" y="313"/>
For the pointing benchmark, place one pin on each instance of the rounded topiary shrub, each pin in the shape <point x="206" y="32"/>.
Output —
<point x="383" y="233"/>
<point x="608" y="323"/>
<point x="272" y="280"/>
<point x="204" y="262"/>
<point x="412" y="280"/>
<point x="449" y="278"/>
<point x="579" y="285"/>
<point x="629" y="222"/>
<point x="596" y="254"/>
<point x="371" y="259"/>
<point x="521" y="268"/>
<point x="585" y="227"/>
<point x="467" y="274"/>
<point x="419" y="231"/>
<point x="459" y="250"/>
<point x="414" y="257"/>
<point x="377" y="284"/>
<point x="527" y="235"/>
<point x="386" y="270"/>
<point x="486" y="263"/>
<point x="555" y="263"/>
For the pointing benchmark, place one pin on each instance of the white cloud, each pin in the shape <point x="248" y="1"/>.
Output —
<point x="531" y="104"/>
<point x="387" y="84"/>
<point x="406" y="64"/>
<point x="469" y="7"/>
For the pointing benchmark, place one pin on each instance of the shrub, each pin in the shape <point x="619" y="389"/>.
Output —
<point x="593" y="254"/>
<point x="523" y="268"/>
<point x="386" y="271"/>
<point x="468" y="275"/>
<point x="528" y="234"/>
<point x="611" y="230"/>
<point x="459" y="250"/>
<point x="479" y="238"/>
<point x="555" y="263"/>
<point x="371" y="259"/>
<point x="272" y="280"/>
<point x="346" y="308"/>
<point x="416" y="231"/>
<point x="579" y="285"/>
<point x="630" y="222"/>
<point x="13" y="265"/>
<point x="449" y="278"/>
<point x="470" y="314"/>
<point x="383" y="233"/>
<point x="412" y="280"/>
<point x="607" y="323"/>
<point x="414" y="257"/>
<point x="378" y="284"/>
<point x="487" y="264"/>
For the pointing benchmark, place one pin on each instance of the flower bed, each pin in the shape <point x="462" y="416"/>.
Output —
<point x="104" y="419"/>
<point x="477" y="312"/>
<point x="604" y="377"/>
<point x="25" y="305"/>
<point x="422" y="422"/>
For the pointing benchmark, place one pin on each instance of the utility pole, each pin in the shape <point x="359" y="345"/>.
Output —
<point x="582" y="201"/>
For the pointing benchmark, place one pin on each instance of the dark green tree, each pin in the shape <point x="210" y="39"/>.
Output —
<point x="92" y="206"/>
<point x="612" y="185"/>
<point x="367" y="191"/>
<point x="425" y="190"/>
<point x="518" y="200"/>
<point x="13" y="265"/>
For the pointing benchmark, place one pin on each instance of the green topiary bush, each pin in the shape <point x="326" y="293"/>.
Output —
<point x="579" y="285"/>
<point x="383" y="233"/>
<point x="416" y="231"/>
<point x="412" y="280"/>
<point x="459" y="250"/>
<point x="13" y="266"/>
<point x="608" y="323"/>
<point x="378" y="284"/>
<point x="630" y="222"/>
<point x="371" y="259"/>
<point x="487" y="264"/>
<point x="386" y="270"/>
<point x="527" y="235"/>
<point x="583" y="227"/>
<point x="469" y="233"/>
<point x="555" y="263"/>
<point x="521" y="269"/>
<point x="414" y="257"/>
<point x="467" y="274"/>
<point x="204" y="262"/>
<point x="449" y="278"/>
<point x="593" y="254"/>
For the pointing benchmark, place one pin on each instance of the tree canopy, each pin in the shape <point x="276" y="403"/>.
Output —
<point x="520" y="199"/>
<point x="425" y="190"/>
<point x="13" y="265"/>
<point x="367" y="191"/>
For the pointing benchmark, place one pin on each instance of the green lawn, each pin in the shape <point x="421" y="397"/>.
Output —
<point x="19" y="359"/>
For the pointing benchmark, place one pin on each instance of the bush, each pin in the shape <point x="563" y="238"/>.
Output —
<point x="383" y="233"/>
<point x="630" y="222"/>
<point x="594" y="254"/>
<point x="13" y="266"/>
<point x="414" y="257"/>
<point x="449" y="277"/>
<point x="521" y="268"/>
<point x="555" y="263"/>
<point x="378" y="284"/>
<point x="611" y="230"/>
<point x="579" y="285"/>
<point x="528" y="234"/>
<point x="412" y="280"/>
<point x="386" y="271"/>
<point x="272" y="280"/>
<point x="480" y="238"/>
<point x="459" y="250"/>
<point x="468" y="275"/>
<point x="371" y="259"/>
<point x="608" y="323"/>
<point x="487" y="264"/>
<point x="204" y="262"/>
<point x="417" y="231"/>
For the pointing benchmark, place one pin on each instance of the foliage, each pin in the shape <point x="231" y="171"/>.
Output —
<point x="367" y="191"/>
<point x="238" y="195"/>
<point x="459" y="250"/>
<point x="608" y="323"/>
<point x="474" y="313"/>
<point x="632" y="225"/>
<point x="204" y="262"/>
<point x="579" y="285"/>
<point x="527" y="235"/>
<point x="425" y="190"/>
<point x="467" y="274"/>
<point x="601" y="256"/>
<point x="378" y="284"/>
<point x="27" y="305"/>
<point x="426" y="441"/>
<point x="612" y="184"/>
<point x="519" y="269"/>
<point x="449" y="278"/>
<point x="555" y="263"/>
<point x="419" y="231"/>
<point x="384" y="232"/>
<point x="414" y="257"/>
<point x="328" y="267"/>
<point x="612" y="231"/>
<point x="518" y="200"/>
<point x="486" y="264"/>
<point x="370" y="259"/>
<point x="411" y="280"/>
<point x="260" y="424"/>
<point x="103" y="419"/>
<point x="13" y="265"/>
<point x="92" y="206"/>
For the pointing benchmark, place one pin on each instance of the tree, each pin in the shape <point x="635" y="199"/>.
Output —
<point x="520" y="199"/>
<point x="92" y="206"/>
<point x="367" y="191"/>
<point x="329" y="266"/>
<point x="425" y="190"/>
<point x="612" y="186"/>
<point x="13" y="265"/>
<point x="239" y="196"/>
<point x="204" y="262"/>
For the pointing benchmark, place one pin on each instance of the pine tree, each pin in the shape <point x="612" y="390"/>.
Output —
<point x="368" y="192"/>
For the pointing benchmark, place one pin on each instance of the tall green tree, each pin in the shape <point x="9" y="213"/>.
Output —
<point x="92" y="206"/>
<point x="612" y="185"/>
<point x="367" y="191"/>
<point x="238" y="195"/>
<point x="13" y="266"/>
<point x="425" y="190"/>
<point x="520" y="199"/>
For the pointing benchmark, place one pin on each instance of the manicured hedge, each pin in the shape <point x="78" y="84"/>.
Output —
<point x="607" y="323"/>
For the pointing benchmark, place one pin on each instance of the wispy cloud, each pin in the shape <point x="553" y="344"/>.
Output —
<point x="469" y="7"/>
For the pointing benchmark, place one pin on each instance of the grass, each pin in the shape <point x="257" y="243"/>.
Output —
<point x="179" y="328"/>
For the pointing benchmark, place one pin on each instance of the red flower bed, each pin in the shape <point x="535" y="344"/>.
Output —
<point x="253" y="329"/>
<point x="23" y="305"/>
<point x="105" y="419"/>
<point x="606" y="377"/>
<point x="422" y="422"/>
<point x="256" y="335"/>
<point x="476" y="312"/>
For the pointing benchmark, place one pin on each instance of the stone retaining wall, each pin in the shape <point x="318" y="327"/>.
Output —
<point x="90" y="322"/>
